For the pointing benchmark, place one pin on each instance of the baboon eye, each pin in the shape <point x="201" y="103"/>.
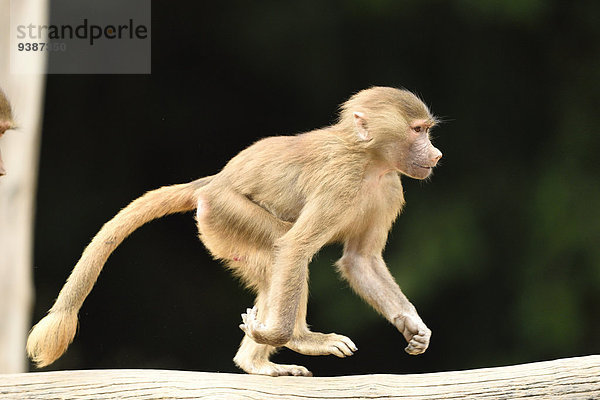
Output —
<point x="417" y="129"/>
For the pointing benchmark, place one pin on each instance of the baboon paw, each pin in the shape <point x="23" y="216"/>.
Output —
<point x="415" y="332"/>
<point x="272" y="369"/>
<point x="250" y="323"/>
<point x="259" y="332"/>
<point x="285" y="370"/>
<point x="418" y="343"/>
<point x="319" y="344"/>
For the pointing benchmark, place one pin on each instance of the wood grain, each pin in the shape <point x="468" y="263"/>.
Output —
<point x="571" y="378"/>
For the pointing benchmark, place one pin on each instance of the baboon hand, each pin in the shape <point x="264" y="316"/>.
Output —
<point x="250" y="323"/>
<point x="260" y="332"/>
<point x="415" y="332"/>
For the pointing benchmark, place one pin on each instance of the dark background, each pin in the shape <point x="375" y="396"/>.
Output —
<point x="499" y="251"/>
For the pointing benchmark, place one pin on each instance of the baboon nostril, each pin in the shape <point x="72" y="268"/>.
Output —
<point x="436" y="157"/>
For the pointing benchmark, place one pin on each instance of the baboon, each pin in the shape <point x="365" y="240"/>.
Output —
<point x="267" y="213"/>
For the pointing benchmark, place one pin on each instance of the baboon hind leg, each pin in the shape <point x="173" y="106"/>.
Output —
<point x="254" y="357"/>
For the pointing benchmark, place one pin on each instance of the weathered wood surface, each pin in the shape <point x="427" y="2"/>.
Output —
<point x="572" y="378"/>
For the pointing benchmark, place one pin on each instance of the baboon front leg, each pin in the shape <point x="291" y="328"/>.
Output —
<point x="274" y="323"/>
<point x="370" y="278"/>
<point x="273" y="320"/>
<point x="254" y="357"/>
<point x="284" y="313"/>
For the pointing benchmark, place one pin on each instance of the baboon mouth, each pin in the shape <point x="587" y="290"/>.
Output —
<point x="421" y="166"/>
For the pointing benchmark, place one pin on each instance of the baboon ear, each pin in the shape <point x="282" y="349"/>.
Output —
<point x="362" y="130"/>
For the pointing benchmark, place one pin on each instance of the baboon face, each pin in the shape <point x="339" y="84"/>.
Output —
<point x="420" y="155"/>
<point x="395" y="125"/>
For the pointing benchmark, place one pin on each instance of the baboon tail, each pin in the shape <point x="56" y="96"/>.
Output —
<point x="50" y="337"/>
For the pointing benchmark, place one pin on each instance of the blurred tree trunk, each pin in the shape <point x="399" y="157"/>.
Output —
<point x="20" y="150"/>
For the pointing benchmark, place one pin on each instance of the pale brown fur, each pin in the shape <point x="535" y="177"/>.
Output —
<point x="6" y="123"/>
<point x="49" y="339"/>
<point x="267" y="213"/>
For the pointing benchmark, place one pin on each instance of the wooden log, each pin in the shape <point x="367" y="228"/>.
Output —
<point x="571" y="378"/>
